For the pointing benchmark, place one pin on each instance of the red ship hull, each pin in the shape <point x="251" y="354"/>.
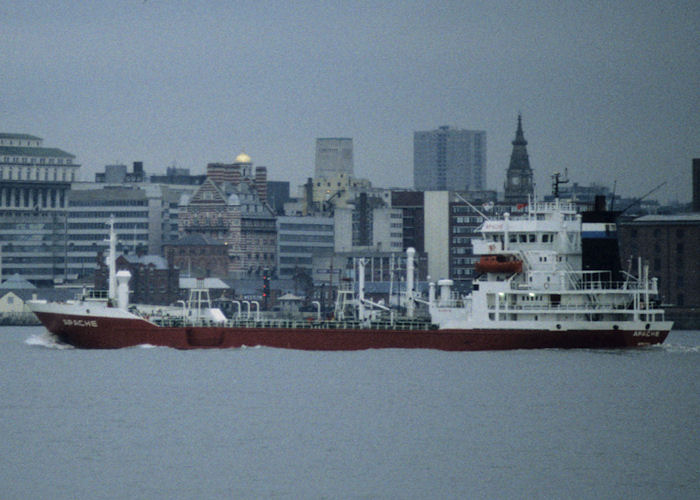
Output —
<point x="113" y="333"/>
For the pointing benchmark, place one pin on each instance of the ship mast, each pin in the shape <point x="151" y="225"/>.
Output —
<point x="556" y="181"/>
<point x="112" y="261"/>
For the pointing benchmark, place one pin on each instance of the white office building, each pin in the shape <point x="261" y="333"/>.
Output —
<point x="34" y="181"/>
<point x="298" y="240"/>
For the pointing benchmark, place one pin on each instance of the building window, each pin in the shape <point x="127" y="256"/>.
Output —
<point x="657" y="264"/>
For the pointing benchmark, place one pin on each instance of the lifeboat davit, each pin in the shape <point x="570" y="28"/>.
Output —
<point x="499" y="264"/>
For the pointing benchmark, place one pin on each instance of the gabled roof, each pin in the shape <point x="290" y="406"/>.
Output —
<point x="289" y="297"/>
<point x="208" y="186"/>
<point x="49" y="294"/>
<point x="16" y="282"/>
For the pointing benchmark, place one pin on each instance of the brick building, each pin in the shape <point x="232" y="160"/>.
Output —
<point x="198" y="255"/>
<point x="230" y="206"/>
<point x="152" y="281"/>
<point x="671" y="246"/>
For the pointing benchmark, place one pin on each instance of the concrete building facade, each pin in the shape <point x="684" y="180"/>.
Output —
<point x="334" y="155"/>
<point x="34" y="181"/>
<point x="138" y="213"/>
<point x="449" y="158"/>
<point x="299" y="240"/>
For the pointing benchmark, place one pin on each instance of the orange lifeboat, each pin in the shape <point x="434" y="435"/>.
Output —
<point x="498" y="264"/>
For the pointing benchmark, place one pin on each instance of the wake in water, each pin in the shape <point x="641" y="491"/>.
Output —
<point x="46" y="339"/>
<point x="679" y="348"/>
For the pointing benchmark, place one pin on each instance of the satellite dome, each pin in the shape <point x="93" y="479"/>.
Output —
<point x="242" y="158"/>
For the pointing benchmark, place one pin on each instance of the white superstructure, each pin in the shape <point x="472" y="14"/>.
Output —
<point x="531" y="278"/>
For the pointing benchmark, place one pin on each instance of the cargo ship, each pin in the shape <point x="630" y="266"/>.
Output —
<point x="532" y="292"/>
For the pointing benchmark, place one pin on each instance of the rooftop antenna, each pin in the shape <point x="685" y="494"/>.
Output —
<point x="556" y="181"/>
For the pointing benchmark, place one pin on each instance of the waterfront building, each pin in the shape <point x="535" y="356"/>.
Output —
<point x="299" y="240"/>
<point x="137" y="211"/>
<point x="34" y="181"/>
<point x="519" y="186"/>
<point x="197" y="255"/>
<point x="449" y="158"/>
<point x="152" y="281"/>
<point x="670" y="244"/>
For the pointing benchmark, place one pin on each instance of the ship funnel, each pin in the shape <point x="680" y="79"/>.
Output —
<point x="445" y="291"/>
<point x="123" y="278"/>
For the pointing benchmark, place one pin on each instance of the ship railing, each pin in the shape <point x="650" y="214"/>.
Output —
<point x="592" y="285"/>
<point x="570" y="307"/>
<point x="551" y="207"/>
<point x="309" y="323"/>
<point x="330" y="324"/>
<point x="558" y="309"/>
<point x="451" y="303"/>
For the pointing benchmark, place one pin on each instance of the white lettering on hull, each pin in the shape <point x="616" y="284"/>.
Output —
<point x="643" y="333"/>
<point x="80" y="322"/>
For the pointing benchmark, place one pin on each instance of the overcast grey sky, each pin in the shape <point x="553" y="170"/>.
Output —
<point x="609" y="90"/>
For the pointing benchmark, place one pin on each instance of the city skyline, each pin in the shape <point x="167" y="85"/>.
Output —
<point x="609" y="92"/>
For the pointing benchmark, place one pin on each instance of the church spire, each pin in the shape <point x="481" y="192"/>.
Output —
<point x="519" y="176"/>
<point x="519" y="135"/>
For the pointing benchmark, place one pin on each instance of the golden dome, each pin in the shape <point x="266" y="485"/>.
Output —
<point x="242" y="158"/>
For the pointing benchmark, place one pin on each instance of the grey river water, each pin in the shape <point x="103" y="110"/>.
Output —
<point x="157" y="423"/>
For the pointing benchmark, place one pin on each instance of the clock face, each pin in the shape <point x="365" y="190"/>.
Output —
<point x="515" y="180"/>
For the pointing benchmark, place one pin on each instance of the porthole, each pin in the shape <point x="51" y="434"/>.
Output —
<point x="615" y="327"/>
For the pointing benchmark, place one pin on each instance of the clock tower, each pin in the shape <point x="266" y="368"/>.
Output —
<point x="519" y="182"/>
